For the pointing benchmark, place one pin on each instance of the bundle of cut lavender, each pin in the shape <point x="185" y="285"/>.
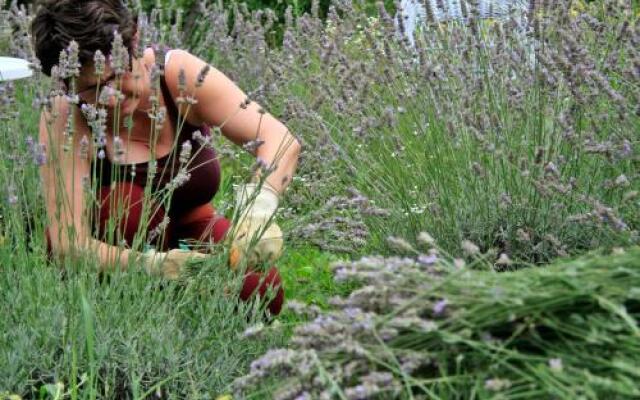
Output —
<point x="424" y="327"/>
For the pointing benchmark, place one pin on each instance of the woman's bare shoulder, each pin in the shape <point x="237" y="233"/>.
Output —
<point x="150" y="56"/>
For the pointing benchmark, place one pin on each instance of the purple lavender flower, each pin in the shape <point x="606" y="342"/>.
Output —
<point x="185" y="151"/>
<point x="425" y="259"/>
<point x="440" y="306"/>
<point x="304" y="396"/>
<point x="40" y="155"/>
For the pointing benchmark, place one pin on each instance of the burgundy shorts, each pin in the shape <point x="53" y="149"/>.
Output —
<point x="202" y="224"/>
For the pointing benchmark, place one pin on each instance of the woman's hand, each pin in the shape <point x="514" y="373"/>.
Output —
<point x="169" y="265"/>
<point x="256" y="238"/>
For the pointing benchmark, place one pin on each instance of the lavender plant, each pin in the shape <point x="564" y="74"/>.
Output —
<point x="422" y="327"/>
<point x="486" y="128"/>
<point x="82" y="313"/>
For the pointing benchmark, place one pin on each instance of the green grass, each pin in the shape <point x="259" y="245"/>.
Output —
<point x="307" y="276"/>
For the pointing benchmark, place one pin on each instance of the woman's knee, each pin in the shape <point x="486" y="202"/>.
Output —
<point x="201" y="224"/>
<point x="267" y="283"/>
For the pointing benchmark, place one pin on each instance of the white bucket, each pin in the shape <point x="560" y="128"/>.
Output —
<point x="14" y="68"/>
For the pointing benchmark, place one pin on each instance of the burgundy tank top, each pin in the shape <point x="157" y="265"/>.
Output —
<point x="203" y="166"/>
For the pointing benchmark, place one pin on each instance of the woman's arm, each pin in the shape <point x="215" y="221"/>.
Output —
<point x="62" y="180"/>
<point x="218" y="103"/>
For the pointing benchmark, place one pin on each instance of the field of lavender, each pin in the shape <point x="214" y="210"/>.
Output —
<point x="463" y="222"/>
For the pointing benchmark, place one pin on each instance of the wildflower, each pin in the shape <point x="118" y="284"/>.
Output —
<point x="389" y="117"/>
<point x="202" y="75"/>
<point x="426" y="239"/>
<point x="459" y="263"/>
<point x="427" y="259"/>
<point x="262" y="166"/>
<point x="84" y="147"/>
<point x="185" y="151"/>
<point x="497" y="384"/>
<point x="101" y="140"/>
<point x="101" y="154"/>
<point x="440" y="306"/>
<point x="182" y="80"/>
<point x="300" y="308"/>
<point x="252" y="145"/>
<point x="159" y="116"/>
<point x="280" y="358"/>
<point x="37" y="151"/>
<point x="622" y="181"/>
<point x="63" y="65"/>
<point x="153" y="167"/>
<point x="89" y="112"/>
<point x="522" y="235"/>
<point x="551" y="169"/>
<point x="618" y="251"/>
<point x="39" y="155"/>
<point x="157" y="231"/>
<point x="99" y="62"/>
<point x="412" y="361"/>
<point x="119" y="55"/>
<point x="556" y="364"/>
<point x="118" y="146"/>
<point x="190" y="100"/>
<point x="253" y="330"/>
<point x="400" y="244"/>
<point x="198" y="137"/>
<point x="477" y="169"/>
<point x="625" y="149"/>
<point x="630" y="195"/>
<point x="155" y="73"/>
<point x="12" y="198"/>
<point x="180" y="179"/>
<point x="362" y="391"/>
<point x="105" y="94"/>
<point x="505" y="200"/>
<point x="470" y="248"/>
<point x="73" y="64"/>
<point x="245" y="103"/>
<point x="504" y="260"/>
<point x="388" y="334"/>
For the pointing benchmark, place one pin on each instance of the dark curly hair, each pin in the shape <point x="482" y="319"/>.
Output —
<point x="91" y="23"/>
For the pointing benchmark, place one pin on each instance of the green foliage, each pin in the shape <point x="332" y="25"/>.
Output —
<point x="190" y="12"/>
<point x="298" y="7"/>
<point x="123" y="335"/>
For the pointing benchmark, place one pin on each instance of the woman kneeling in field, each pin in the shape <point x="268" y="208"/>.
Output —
<point x="147" y="151"/>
